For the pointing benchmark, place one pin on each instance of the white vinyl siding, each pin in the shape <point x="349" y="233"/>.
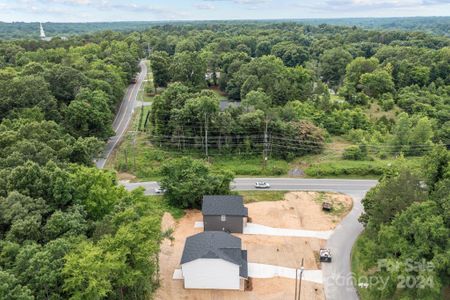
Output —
<point x="207" y="273"/>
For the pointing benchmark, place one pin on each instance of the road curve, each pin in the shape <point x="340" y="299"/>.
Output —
<point x="123" y="116"/>
<point x="337" y="275"/>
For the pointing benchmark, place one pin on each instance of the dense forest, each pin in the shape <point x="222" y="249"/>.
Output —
<point x="68" y="231"/>
<point x="297" y="85"/>
<point x="20" y="30"/>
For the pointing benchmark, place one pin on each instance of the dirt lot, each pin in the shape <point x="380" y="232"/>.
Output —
<point x="299" y="210"/>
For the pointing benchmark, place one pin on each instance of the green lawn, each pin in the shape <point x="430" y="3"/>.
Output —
<point x="258" y="196"/>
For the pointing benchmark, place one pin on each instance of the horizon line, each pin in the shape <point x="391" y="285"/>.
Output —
<point x="224" y="20"/>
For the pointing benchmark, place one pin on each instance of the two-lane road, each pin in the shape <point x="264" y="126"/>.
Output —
<point x="337" y="275"/>
<point x="282" y="184"/>
<point x="123" y="116"/>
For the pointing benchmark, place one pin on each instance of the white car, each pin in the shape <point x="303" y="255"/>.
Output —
<point x="159" y="190"/>
<point x="262" y="185"/>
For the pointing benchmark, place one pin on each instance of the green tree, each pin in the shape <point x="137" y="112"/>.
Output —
<point x="416" y="233"/>
<point x="65" y="82"/>
<point x="263" y="48"/>
<point x="160" y="64"/>
<point x="391" y="196"/>
<point x="291" y="54"/>
<point x="70" y="223"/>
<point x="11" y="289"/>
<point x="436" y="165"/>
<point x="420" y="138"/>
<point x="353" y="72"/>
<point x="377" y="83"/>
<point x="332" y="66"/>
<point x="89" y="115"/>
<point x="204" y="108"/>
<point x="40" y="267"/>
<point x="96" y="190"/>
<point x="89" y="271"/>
<point x="189" y="69"/>
<point x="402" y="132"/>
<point x="186" y="181"/>
<point x="27" y="91"/>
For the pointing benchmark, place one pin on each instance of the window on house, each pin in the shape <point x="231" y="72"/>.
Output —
<point x="223" y="218"/>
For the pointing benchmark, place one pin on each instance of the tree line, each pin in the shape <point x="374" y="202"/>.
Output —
<point x="327" y="77"/>
<point x="407" y="229"/>
<point x="67" y="230"/>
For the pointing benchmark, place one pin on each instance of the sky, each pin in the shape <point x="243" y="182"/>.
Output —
<point x="150" y="10"/>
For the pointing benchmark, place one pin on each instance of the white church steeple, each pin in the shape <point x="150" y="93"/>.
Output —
<point x="42" y="35"/>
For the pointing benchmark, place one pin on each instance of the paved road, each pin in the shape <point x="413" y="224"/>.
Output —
<point x="336" y="275"/>
<point x="283" y="184"/>
<point x="123" y="116"/>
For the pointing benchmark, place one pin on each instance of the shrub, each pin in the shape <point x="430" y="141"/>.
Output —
<point x="343" y="168"/>
<point x="355" y="153"/>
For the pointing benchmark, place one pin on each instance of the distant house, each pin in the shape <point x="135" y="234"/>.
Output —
<point x="214" y="260"/>
<point x="224" y="213"/>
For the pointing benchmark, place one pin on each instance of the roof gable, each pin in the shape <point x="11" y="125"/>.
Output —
<point x="211" y="244"/>
<point x="224" y="205"/>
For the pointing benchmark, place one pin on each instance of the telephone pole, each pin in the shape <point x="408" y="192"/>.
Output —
<point x="300" y="281"/>
<point x="265" y="152"/>
<point x="206" y="136"/>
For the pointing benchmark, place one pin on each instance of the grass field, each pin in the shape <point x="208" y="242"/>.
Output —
<point x="330" y="163"/>
<point x="137" y="156"/>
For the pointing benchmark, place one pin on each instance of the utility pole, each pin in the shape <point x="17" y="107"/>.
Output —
<point x="265" y="143"/>
<point x="206" y="137"/>
<point x="300" y="281"/>
<point x="296" y="283"/>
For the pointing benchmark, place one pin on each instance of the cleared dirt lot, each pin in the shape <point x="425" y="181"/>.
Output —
<point x="301" y="210"/>
<point x="281" y="251"/>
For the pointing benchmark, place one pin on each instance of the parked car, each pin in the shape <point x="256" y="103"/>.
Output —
<point x="325" y="255"/>
<point x="262" y="185"/>
<point x="160" y="190"/>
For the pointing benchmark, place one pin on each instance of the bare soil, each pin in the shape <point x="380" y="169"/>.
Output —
<point x="299" y="210"/>
<point x="126" y="177"/>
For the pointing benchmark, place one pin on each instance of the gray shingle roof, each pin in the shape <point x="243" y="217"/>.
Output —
<point x="224" y="205"/>
<point x="216" y="244"/>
